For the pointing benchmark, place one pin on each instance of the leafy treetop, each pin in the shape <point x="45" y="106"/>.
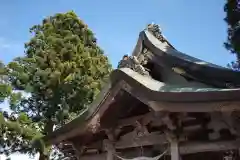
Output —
<point x="62" y="72"/>
<point x="232" y="9"/>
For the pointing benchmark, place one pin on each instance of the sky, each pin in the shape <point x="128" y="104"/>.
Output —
<point x="193" y="27"/>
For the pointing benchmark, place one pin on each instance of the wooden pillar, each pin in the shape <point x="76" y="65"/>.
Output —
<point x="78" y="150"/>
<point x="174" y="150"/>
<point x="110" y="149"/>
<point x="110" y="155"/>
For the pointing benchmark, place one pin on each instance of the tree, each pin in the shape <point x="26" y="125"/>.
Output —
<point x="13" y="127"/>
<point x="232" y="9"/>
<point x="62" y="72"/>
<point x="5" y="89"/>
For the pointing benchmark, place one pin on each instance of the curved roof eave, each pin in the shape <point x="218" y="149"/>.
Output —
<point x="193" y="66"/>
<point x="152" y="90"/>
<point x="158" y="91"/>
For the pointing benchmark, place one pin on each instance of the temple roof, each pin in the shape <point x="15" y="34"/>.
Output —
<point x="164" y="54"/>
<point x="213" y="84"/>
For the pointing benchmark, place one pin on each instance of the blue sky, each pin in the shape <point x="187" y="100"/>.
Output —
<point x="194" y="27"/>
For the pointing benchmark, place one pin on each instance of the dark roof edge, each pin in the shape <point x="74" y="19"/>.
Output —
<point x="154" y="90"/>
<point x="174" y="58"/>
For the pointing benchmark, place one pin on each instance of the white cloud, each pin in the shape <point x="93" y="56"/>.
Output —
<point x="10" y="49"/>
<point x="9" y="44"/>
<point x="3" y="43"/>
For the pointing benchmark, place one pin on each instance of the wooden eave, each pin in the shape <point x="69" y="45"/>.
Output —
<point x="88" y="123"/>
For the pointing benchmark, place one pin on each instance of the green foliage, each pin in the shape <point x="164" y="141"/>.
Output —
<point x="62" y="72"/>
<point x="5" y="89"/>
<point x="13" y="130"/>
<point x="233" y="21"/>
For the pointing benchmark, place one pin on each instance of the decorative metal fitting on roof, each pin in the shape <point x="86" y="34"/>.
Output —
<point x="132" y="63"/>
<point x="156" y="31"/>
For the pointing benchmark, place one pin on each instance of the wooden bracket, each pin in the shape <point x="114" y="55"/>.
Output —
<point x="140" y="129"/>
<point x="163" y="116"/>
<point x="110" y="134"/>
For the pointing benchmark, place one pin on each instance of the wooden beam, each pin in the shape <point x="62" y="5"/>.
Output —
<point x="195" y="107"/>
<point x="132" y="121"/>
<point x="183" y="148"/>
<point x="152" y="139"/>
<point x="145" y="119"/>
<point x="197" y="147"/>
<point x="102" y="156"/>
<point x="130" y="141"/>
<point x="187" y="147"/>
<point x="156" y="118"/>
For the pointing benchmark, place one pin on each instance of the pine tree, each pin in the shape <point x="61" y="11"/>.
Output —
<point x="13" y="127"/>
<point x="232" y="9"/>
<point x="5" y="89"/>
<point x="62" y="72"/>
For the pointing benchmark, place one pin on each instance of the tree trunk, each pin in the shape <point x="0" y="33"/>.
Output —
<point x="47" y="129"/>
<point x="42" y="156"/>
